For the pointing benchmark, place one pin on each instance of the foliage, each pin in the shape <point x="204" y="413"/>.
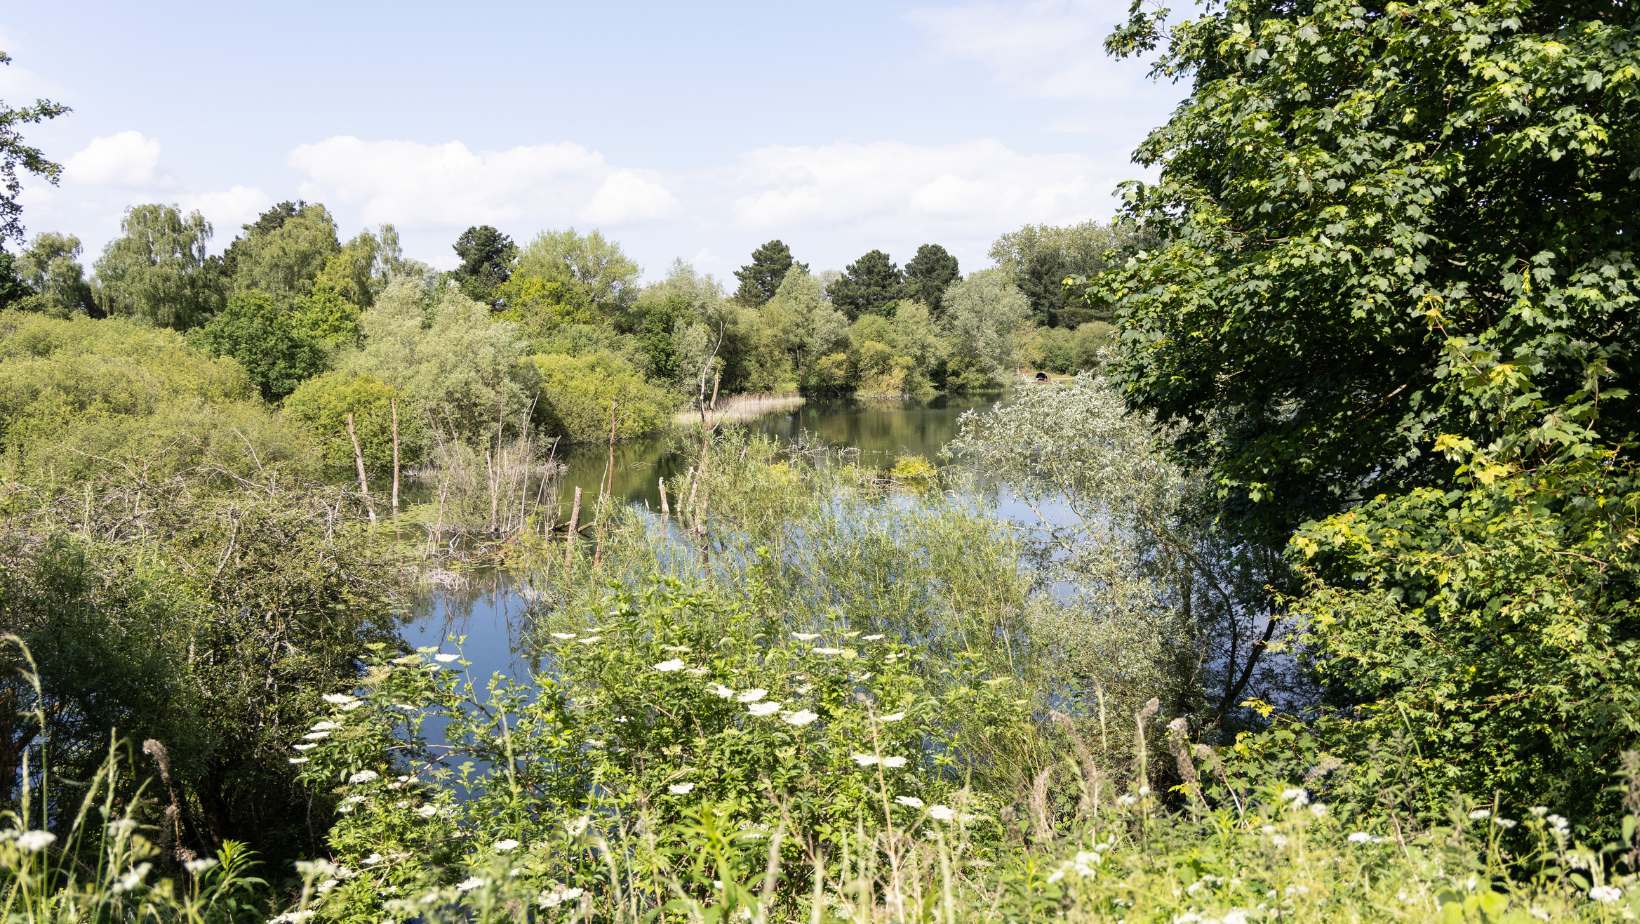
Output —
<point x="15" y="154"/>
<point x="1069" y="351"/>
<point x="578" y="394"/>
<point x="761" y="278"/>
<point x="266" y="340"/>
<point x="1042" y="258"/>
<point x="322" y="405"/>
<point x="51" y="269"/>
<point x="487" y="258"/>
<point x="676" y="322"/>
<point x="869" y="285"/>
<point x="1334" y="175"/>
<point x="464" y="374"/>
<point x="357" y="271"/>
<point x="158" y="270"/>
<point x="984" y="317"/>
<point x="929" y="274"/>
<point x="284" y="260"/>
<point x="586" y="274"/>
<point x="808" y="328"/>
<point x="1488" y="631"/>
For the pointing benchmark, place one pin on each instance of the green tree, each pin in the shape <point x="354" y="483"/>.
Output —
<point x="256" y="331"/>
<point x="929" y="274"/>
<point x="285" y="254"/>
<point x="355" y="272"/>
<point x="870" y="285"/>
<point x="985" y="315"/>
<point x="583" y="275"/>
<point x="809" y="328"/>
<point x="1341" y="193"/>
<point x="577" y="394"/>
<point x="12" y="287"/>
<point x="1040" y="258"/>
<point x="158" y="269"/>
<point x="487" y="258"/>
<point x="51" y="268"/>
<point x="15" y="155"/>
<point x="761" y="278"/>
<point x="322" y="405"/>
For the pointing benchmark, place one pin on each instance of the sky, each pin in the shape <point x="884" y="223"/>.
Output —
<point x="691" y="131"/>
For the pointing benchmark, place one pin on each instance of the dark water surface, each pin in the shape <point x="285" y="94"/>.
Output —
<point x="491" y="613"/>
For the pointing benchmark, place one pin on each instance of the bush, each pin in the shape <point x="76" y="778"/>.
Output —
<point x="322" y="404"/>
<point x="577" y="393"/>
<point x="276" y="351"/>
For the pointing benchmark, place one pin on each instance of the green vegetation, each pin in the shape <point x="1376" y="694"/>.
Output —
<point x="1308" y="590"/>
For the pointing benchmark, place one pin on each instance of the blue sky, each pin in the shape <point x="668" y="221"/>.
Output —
<point x="691" y="131"/>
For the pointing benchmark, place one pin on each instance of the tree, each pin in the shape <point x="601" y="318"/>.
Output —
<point x="51" y="269"/>
<point x="487" y="258"/>
<point x="255" y="330"/>
<point x="12" y="287"/>
<point x="808" y="326"/>
<point x="15" y="155"/>
<point x="870" y="285"/>
<point x="761" y="278"/>
<point x="285" y="253"/>
<point x="1325" y="247"/>
<point x="984" y="315"/>
<point x="322" y="405"/>
<point x="573" y="274"/>
<point x="158" y="269"/>
<point x="928" y="275"/>
<point x="1040" y="258"/>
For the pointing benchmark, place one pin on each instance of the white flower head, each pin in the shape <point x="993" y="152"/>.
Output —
<point x="670" y="665"/>
<point x="891" y="717"/>
<point x="444" y="657"/>
<point x="873" y="637"/>
<point x="195" y="867"/>
<point x="752" y="695"/>
<point x="866" y="760"/>
<point x="563" y="636"/>
<point x="893" y="763"/>
<point x="427" y="811"/>
<point x="364" y="776"/>
<point x="1480" y="814"/>
<point x="327" y="725"/>
<point x="828" y="652"/>
<point x="800" y="718"/>
<point x="298" y="761"/>
<point x="764" y="708"/>
<point x="805" y="636"/>
<point x="470" y="883"/>
<point x="909" y="801"/>
<point x="1295" y="796"/>
<point x="942" y="813"/>
<point x="304" y="746"/>
<point x="1605" y="894"/>
<point x="558" y="895"/>
<point x="35" y="841"/>
<point x="338" y="699"/>
<point x="579" y="826"/>
<point x="721" y="691"/>
<point x="1359" y="837"/>
<point x="505" y="845"/>
<point x="681" y="789"/>
<point x="132" y="878"/>
<point x="317" y="736"/>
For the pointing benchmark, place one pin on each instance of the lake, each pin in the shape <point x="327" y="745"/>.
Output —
<point x="491" y="612"/>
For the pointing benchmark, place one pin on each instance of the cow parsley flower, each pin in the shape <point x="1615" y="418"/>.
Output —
<point x="1296" y="796"/>
<point x="752" y="695"/>
<point x="35" y="841"/>
<point x="670" y="665"/>
<point x="764" y="708"/>
<point x="558" y="895"/>
<point x="579" y="826"/>
<point x="505" y="845"/>
<point x="909" y="801"/>
<point x="364" y="776"/>
<point x="828" y="652"/>
<point x="470" y="883"/>
<point x="681" y="789"/>
<point x="893" y="763"/>
<point x="1605" y="894"/>
<point x="338" y="699"/>
<point x="805" y="636"/>
<point x="942" y="813"/>
<point x="1480" y="814"/>
<point x="721" y="691"/>
<point x="563" y="636"/>
<point x="132" y="878"/>
<point x="800" y="718"/>
<point x="866" y="760"/>
<point x="891" y="717"/>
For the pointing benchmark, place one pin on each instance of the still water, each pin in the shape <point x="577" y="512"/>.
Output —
<point x="490" y="614"/>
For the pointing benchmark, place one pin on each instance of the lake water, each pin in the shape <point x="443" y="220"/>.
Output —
<point x="491" y="612"/>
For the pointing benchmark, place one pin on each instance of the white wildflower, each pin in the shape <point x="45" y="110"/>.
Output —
<point x="427" y="811"/>
<point x="558" y="895"/>
<point x="563" y="636"/>
<point x="1538" y="811"/>
<point x="1318" y="809"/>
<point x="1360" y="837"/>
<point x="765" y="708"/>
<point x="470" y="883"/>
<point x="444" y="657"/>
<point x="942" y="813"/>
<point x="364" y="776"/>
<point x="579" y="826"/>
<point x="505" y="845"/>
<point x="800" y="718"/>
<point x="721" y="691"/>
<point x="122" y="826"/>
<point x="1605" y="894"/>
<point x="752" y="695"/>
<point x="195" y="867"/>
<point x="805" y="636"/>
<point x="909" y="801"/>
<point x="828" y="652"/>
<point x="681" y="789"/>
<point x="304" y="746"/>
<point x="873" y="637"/>
<point x="132" y="878"/>
<point x="866" y="760"/>
<point x="1295" y="796"/>
<point x="338" y="699"/>
<point x="1480" y="814"/>
<point x="589" y="640"/>
<point x="697" y="672"/>
<point x="1504" y="823"/>
<point x="670" y="665"/>
<point x="891" y="717"/>
<point x="893" y="763"/>
<point x="326" y="725"/>
<point x="1234" y="916"/>
<point x="292" y="917"/>
<point x="298" y="760"/>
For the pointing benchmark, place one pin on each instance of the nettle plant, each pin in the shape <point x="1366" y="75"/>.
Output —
<point x="678" y="747"/>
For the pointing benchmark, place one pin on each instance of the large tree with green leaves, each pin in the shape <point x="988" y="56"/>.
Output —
<point x="51" y="268"/>
<point x="929" y="273"/>
<point x="158" y="269"/>
<point x="276" y="350"/>
<point x="487" y="258"/>
<point x="869" y="285"/>
<point x="1344" y="194"/>
<point x="1040" y="258"/>
<point x="283" y="252"/>
<point x="17" y="155"/>
<point x="761" y="278"/>
<point x="984" y="317"/>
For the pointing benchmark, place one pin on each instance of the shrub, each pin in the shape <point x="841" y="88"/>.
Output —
<point x="577" y="393"/>
<point x="322" y="405"/>
<point x="276" y="351"/>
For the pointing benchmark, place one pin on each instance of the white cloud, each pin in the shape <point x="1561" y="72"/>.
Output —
<point x="448" y="185"/>
<point x="629" y="197"/>
<point x="228" y="209"/>
<point x="979" y="187"/>
<point x="127" y="158"/>
<point x="1046" y="48"/>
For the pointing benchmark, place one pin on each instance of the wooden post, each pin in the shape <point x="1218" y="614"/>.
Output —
<point x="666" y="513"/>
<point x="574" y="523"/>
<point x="394" y="404"/>
<point x="358" y="460"/>
<point x="716" y="381"/>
